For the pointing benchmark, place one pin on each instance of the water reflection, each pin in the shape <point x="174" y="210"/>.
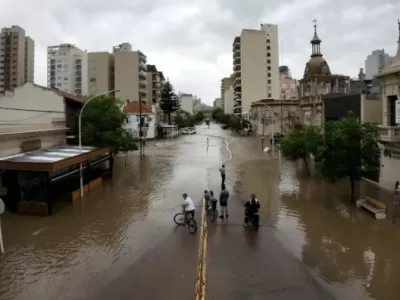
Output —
<point x="355" y="254"/>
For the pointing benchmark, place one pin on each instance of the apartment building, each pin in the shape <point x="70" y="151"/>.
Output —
<point x="228" y="100"/>
<point x="67" y="69"/>
<point x="376" y="62"/>
<point x="153" y="85"/>
<point x="100" y="72"/>
<point x="256" y="67"/>
<point x="186" y="101"/>
<point x="288" y="85"/>
<point x="218" y="103"/>
<point x="17" y="52"/>
<point x="130" y="73"/>
<point x="226" y="83"/>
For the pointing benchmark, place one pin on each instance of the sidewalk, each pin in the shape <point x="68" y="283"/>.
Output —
<point x="244" y="264"/>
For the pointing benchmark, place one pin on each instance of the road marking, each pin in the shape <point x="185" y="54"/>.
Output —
<point x="201" y="263"/>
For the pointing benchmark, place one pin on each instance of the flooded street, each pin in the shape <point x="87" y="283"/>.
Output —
<point x="120" y="240"/>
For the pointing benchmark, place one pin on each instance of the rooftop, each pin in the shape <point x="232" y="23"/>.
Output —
<point x="133" y="107"/>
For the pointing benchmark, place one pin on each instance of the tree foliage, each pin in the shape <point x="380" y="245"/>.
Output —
<point x="183" y="119"/>
<point x="230" y="121"/>
<point x="348" y="148"/>
<point x="169" y="102"/>
<point x="102" y="125"/>
<point x="199" y="117"/>
<point x="300" y="142"/>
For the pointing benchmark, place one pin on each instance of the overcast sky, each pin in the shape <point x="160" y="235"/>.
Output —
<point x="191" y="40"/>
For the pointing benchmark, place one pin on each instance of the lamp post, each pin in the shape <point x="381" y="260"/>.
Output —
<point x="80" y="133"/>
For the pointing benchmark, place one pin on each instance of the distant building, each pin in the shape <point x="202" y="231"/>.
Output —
<point x="228" y="101"/>
<point x="67" y="68"/>
<point x="186" y="101"/>
<point x="218" y="103"/>
<point x="376" y="62"/>
<point x="149" y="121"/>
<point x="100" y="72"/>
<point x="288" y="84"/>
<point x="153" y="85"/>
<point x="17" y="52"/>
<point x="367" y="86"/>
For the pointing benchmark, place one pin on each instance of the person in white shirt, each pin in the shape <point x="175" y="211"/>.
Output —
<point x="190" y="208"/>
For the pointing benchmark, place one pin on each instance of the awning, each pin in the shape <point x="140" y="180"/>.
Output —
<point x="51" y="159"/>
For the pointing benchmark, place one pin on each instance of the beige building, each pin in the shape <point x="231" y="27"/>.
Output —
<point x="130" y="73"/>
<point x="289" y="86"/>
<point x="270" y="116"/>
<point x="153" y="85"/>
<point x="100" y="72"/>
<point x="17" y="52"/>
<point x="390" y="129"/>
<point x="226" y="83"/>
<point x="67" y="69"/>
<point x="228" y="100"/>
<point x="256" y="67"/>
<point x="317" y="82"/>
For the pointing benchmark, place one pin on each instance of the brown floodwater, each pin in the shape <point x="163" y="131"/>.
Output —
<point x="89" y="243"/>
<point x="354" y="255"/>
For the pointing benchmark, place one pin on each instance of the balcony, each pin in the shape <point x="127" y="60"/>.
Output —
<point x="390" y="134"/>
<point x="142" y="75"/>
<point x="142" y="67"/>
<point x="237" y="68"/>
<point x="237" y="61"/>
<point x="142" y="85"/>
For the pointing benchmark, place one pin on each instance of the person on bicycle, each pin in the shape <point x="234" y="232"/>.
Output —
<point x="189" y="205"/>
<point x="251" y="207"/>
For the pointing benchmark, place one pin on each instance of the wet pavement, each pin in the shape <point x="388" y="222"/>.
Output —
<point x="120" y="242"/>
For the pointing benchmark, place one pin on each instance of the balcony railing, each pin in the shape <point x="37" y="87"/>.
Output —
<point x="389" y="133"/>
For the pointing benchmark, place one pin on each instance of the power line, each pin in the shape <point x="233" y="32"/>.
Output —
<point x="21" y="120"/>
<point x="33" y="110"/>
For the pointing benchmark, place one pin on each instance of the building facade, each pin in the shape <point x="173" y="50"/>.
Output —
<point x="376" y="62"/>
<point x="288" y="85"/>
<point x="255" y="67"/>
<point x="228" y="101"/>
<point x="153" y="85"/>
<point x="134" y="113"/>
<point x="17" y="58"/>
<point x="67" y="69"/>
<point x="390" y="128"/>
<point x="317" y="82"/>
<point x="218" y="103"/>
<point x="226" y="83"/>
<point x="187" y="102"/>
<point x="130" y="76"/>
<point x="100" y="72"/>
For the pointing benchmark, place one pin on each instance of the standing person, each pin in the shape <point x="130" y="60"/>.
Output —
<point x="213" y="204"/>
<point x="223" y="202"/>
<point x="207" y="200"/>
<point x="222" y="171"/>
<point x="396" y="191"/>
<point x="207" y="142"/>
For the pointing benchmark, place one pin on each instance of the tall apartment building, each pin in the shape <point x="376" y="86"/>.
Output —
<point x="100" y="72"/>
<point x="67" y="69"/>
<point x="226" y="83"/>
<point x="17" y="52"/>
<point x="186" y="101"/>
<point x="153" y="85"/>
<point x="130" y="73"/>
<point x="256" y="67"/>
<point x="376" y="62"/>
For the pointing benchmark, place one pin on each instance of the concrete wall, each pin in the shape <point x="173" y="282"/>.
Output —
<point x="186" y="103"/>
<point x="133" y="125"/>
<point x="371" y="110"/>
<point x="31" y="105"/>
<point x="390" y="167"/>
<point x="127" y="75"/>
<point x="100" y="79"/>
<point x="228" y="101"/>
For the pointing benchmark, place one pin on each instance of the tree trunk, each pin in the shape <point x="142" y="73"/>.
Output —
<point x="352" y="185"/>
<point x="306" y="164"/>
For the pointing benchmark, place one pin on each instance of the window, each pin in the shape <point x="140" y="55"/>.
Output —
<point x="65" y="78"/>
<point x="59" y="78"/>
<point x="59" y="66"/>
<point x="269" y="74"/>
<point x="269" y="95"/>
<point x="268" y="54"/>
<point x="268" y="41"/>
<point x="269" y="68"/>
<point x="66" y="66"/>
<point x="268" y="48"/>
<point x="59" y="84"/>
<point x="268" y="61"/>
<point x="269" y="80"/>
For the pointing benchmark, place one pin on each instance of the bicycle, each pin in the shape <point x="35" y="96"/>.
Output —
<point x="182" y="218"/>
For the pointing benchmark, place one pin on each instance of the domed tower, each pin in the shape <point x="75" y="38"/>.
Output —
<point x="317" y="65"/>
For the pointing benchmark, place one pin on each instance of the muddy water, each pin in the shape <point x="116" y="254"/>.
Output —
<point x="356" y="256"/>
<point x="89" y="243"/>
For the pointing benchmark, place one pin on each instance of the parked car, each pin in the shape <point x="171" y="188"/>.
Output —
<point x="188" y="130"/>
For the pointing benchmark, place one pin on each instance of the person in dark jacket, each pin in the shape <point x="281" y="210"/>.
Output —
<point x="223" y="201"/>
<point x="251" y="207"/>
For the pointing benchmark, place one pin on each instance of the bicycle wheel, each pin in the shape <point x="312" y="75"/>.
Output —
<point x="192" y="225"/>
<point x="179" y="218"/>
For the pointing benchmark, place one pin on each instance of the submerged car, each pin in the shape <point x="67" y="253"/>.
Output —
<point x="188" y="130"/>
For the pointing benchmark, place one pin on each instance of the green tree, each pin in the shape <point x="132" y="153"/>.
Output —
<point x="102" y="125"/>
<point x="216" y="112"/>
<point x="300" y="142"/>
<point x="348" y="149"/>
<point x="199" y="117"/>
<point x="169" y="100"/>
<point x="183" y="119"/>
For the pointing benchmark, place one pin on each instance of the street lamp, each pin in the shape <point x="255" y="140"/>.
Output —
<point x="80" y="133"/>
<point x="263" y="129"/>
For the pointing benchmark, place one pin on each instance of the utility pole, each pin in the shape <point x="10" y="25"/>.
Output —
<point x="281" y="118"/>
<point x="140" y="128"/>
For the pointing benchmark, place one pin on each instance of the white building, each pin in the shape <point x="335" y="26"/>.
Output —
<point x="376" y="62"/>
<point x="228" y="101"/>
<point x="390" y="129"/>
<point x="186" y="101"/>
<point x="218" y="103"/>
<point x="67" y="69"/>
<point x="255" y="66"/>
<point x="288" y="87"/>
<point x="149" y="120"/>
